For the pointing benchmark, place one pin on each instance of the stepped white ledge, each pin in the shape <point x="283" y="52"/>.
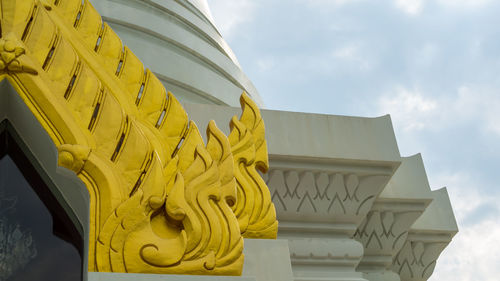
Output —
<point x="427" y="238"/>
<point x="385" y="228"/>
<point x="325" y="173"/>
<point x="329" y="177"/>
<point x="319" y="140"/>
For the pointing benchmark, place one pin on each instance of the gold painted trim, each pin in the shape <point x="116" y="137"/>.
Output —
<point x="161" y="200"/>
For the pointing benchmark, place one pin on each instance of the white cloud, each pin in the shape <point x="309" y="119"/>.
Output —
<point x="412" y="7"/>
<point x="463" y="3"/>
<point x="415" y="7"/>
<point x="330" y="3"/>
<point x="472" y="255"/>
<point x="351" y="53"/>
<point x="464" y="191"/>
<point x="410" y="110"/>
<point x="266" y="64"/>
<point x="481" y="104"/>
<point x="348" y="52"/>
<point x="426" y="54"/>
<point x="228" y="15"/>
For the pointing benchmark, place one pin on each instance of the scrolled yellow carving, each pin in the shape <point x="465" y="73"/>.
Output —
<point x="161" y="201"/>
<point x="179" y="225"/>
<point x="73" y="157"/>
<point x="254" y="208"/>
<point x="11" y="52"/>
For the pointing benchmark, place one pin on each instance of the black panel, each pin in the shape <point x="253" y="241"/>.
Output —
<point x="38" y="241"/>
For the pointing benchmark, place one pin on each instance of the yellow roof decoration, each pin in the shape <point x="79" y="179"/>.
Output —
<point x="161" y="200"/>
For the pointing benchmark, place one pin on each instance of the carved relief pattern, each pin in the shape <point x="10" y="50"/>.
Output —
<point x="161" y="200"/>
<point x="254" y="209"/>
<point x="417" y="259"/>
<point x="336" y="194"/>
<point x="384" y="232"/>
<point x="333" y="251"/>
<point x="12" y="56"/>
<point x="73" y="157"/>
<point x="141" y="235"/>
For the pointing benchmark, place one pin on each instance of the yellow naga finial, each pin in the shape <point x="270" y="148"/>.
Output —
<point x="11" y="54"/>
<point x="254" y="208"/>
<point x="161" y="201"/>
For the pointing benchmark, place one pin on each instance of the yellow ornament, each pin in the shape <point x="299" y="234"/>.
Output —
<point x="161" y="201"/>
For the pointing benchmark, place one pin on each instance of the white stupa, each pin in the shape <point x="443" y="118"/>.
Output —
<point x="179" y="42"/>
<point x="349" y="206"/>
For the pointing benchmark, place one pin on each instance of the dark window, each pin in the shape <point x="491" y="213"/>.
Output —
<point x="38" y="241"/>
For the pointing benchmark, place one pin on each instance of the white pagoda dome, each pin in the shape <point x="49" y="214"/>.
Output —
<point x="179" y="42"/>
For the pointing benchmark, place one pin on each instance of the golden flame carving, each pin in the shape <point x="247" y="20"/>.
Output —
<point x="183" y="224"/>
<point x="160" y="200"/>
<point x="254" y="209"/>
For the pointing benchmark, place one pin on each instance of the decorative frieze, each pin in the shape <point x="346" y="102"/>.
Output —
<point x="417" y="259"/>
<point x="427" y="238"/>
<point x="323" y="196"/>
<point x="384" y="230"/>
<point x="383" y="233"/>
<point x="344" y="211"/>
<point x="326" y="252"/>
<point x="320" y="206"/>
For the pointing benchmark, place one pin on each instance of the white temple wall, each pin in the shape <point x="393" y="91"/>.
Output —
<point x="349" y="205"/>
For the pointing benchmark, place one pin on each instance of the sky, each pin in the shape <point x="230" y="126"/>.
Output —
<point x="433" y="65"/>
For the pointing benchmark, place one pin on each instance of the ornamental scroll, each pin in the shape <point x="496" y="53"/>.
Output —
<point x="181" y="221"/>
<point x="161" y="201"/>
<point x="254" y="208"/>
